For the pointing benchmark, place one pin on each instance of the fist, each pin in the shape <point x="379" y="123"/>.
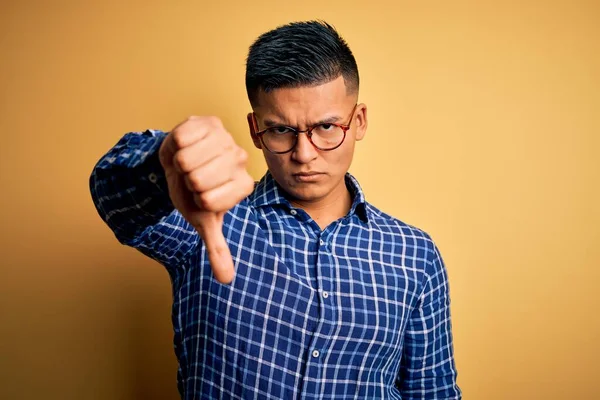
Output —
<point x="206" y="175"/>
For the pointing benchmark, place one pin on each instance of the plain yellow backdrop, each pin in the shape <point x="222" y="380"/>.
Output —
<point x="484" y="131"/>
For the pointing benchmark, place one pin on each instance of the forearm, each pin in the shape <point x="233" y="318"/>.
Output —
<point x="128" y="186"/>
<point x="131" y="195"/>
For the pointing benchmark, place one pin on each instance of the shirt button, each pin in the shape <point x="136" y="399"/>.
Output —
<point x="322" y="242"/>
<point x="293" y="212"/>
<point x="325" y="295"/>
<point x="315" y="353"/>
<point x="152" y="177"/>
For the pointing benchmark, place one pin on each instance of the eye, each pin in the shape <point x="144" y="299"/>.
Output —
<point x="326" y="127"/>
<point x="279" y="130"/>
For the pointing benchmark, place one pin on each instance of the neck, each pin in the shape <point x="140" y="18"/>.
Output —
<point x="328" y="209"/>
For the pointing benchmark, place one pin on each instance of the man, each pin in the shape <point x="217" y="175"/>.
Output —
<point x="294" y="287"/>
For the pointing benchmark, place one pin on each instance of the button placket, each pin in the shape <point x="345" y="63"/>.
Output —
<point x="327" y="322"/>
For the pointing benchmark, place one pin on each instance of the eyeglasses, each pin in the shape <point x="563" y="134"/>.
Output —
<point x="282" y="139"/>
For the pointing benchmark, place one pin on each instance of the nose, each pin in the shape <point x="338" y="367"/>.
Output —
<point x="304" y="151"/>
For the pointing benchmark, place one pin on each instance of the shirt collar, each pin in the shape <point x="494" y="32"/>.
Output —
<point x="268" y="192"/>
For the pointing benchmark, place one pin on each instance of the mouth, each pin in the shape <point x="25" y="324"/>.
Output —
<point x="310" y="176"/>
<point x="307" y="173"/>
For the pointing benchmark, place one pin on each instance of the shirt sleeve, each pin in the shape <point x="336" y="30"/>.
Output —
<point x="428" y="369"/>
<point x="130" y="193"/>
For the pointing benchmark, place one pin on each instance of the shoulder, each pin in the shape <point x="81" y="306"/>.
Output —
<point x="415" y="247"/>
<point x="410" y="239"/>
<point x="385" y="222"/>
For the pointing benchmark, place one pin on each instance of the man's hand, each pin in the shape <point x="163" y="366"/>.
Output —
<point x="206" y="174"/>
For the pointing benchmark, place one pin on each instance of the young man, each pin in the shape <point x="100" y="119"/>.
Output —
<point x="294" y="287"/>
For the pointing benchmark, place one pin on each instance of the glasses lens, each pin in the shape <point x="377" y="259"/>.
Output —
<point x="327" y="136"/>
<point x="279" y="138"/>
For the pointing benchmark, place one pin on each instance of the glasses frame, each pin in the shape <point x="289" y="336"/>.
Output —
<point x="260" y="134"/>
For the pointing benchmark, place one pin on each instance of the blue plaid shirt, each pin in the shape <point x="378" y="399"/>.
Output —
<point x="360" y="310"/>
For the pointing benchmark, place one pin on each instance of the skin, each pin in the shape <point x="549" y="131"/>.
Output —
<point x="206" y="174"/>
<point x="325" y="199"/>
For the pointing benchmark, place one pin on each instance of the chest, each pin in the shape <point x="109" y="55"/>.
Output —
<point x="348" y="287"/>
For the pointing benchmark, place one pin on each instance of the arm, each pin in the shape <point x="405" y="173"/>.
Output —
<point x="428" y="370"/>
<point x="131" y="195"/>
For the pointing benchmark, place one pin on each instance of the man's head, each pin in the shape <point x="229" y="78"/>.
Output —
<point x="303" y="75"/>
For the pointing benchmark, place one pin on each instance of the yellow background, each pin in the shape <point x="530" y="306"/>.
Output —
<point x="484" y="131"/>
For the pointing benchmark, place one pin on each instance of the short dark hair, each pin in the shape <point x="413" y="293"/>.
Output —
<point x="306" y="53"/>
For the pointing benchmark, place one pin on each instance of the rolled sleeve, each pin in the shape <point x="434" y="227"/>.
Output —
<point x="130" y="193"/>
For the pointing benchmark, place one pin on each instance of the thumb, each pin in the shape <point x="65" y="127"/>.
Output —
<point x="211" y="231"/>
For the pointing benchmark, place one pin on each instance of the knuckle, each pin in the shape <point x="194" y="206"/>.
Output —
<point x="193" y="183"/>
<point x="178" y="138"/>
<point x="214" y="120"/>
<point x="243" y="155"/>
<point x="181" y="161"/>
<point x="208" y="202"/>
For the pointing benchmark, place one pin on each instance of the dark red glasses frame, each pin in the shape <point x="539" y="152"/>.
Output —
<point x="259" y="135"/>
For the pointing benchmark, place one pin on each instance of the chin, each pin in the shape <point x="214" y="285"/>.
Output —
<point x="304" y="192"/>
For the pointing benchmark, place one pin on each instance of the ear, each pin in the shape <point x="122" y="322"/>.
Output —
<point x="361" y="121"/>
<point x="253" y="126"/>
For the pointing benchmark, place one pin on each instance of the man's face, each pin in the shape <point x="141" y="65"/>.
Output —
<point x="302" y="108"/>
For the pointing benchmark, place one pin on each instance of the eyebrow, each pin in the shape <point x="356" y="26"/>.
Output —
<point x="269" y="123"/>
